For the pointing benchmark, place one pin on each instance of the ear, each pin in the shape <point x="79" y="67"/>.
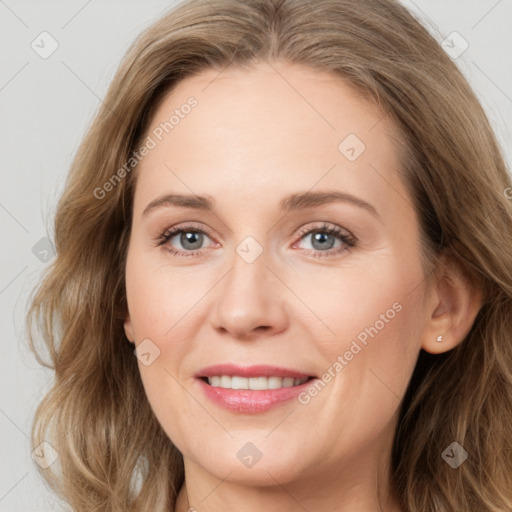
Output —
<point x="128" y="328"/>
<point x="454" y="302"/>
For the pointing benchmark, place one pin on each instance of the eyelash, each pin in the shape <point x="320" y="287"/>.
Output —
<point x="348" y="239"/>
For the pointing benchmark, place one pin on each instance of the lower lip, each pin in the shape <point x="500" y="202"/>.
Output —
<point x="248" y="401"/>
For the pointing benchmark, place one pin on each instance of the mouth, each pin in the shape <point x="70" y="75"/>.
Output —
<point x="254" y="389"/>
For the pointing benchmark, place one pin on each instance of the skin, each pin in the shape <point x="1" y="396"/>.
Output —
<point x="256" y="136"/>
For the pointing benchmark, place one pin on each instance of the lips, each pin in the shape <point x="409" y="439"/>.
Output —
<point x="217" y="383"/>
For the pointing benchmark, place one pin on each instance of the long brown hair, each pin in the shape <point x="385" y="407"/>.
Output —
<point x="113" y="454"/>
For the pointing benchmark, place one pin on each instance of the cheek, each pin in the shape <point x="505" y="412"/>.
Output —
<point x="369" y="362"/>
<point x="375" y="315"/>
<point x="180" y="417"/>
<point x="354" y="300"/>
<point x="161" y="303"/>
<point x="159" y="296"/>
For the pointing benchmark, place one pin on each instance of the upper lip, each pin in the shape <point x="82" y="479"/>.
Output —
<point x="258" y="370"/>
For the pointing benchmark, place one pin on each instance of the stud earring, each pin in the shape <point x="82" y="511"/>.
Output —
<point x="440" y="339"/>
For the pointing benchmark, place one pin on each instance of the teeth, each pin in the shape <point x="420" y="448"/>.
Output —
<point x="254" y="383"/>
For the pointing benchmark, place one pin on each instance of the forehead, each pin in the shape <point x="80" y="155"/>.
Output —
<point x="268" y="129"/>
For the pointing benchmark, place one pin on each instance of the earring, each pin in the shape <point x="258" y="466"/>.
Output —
<point x="440" y="339"/>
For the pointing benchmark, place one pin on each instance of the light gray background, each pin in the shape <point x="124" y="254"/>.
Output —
<point x="46" y="105"/>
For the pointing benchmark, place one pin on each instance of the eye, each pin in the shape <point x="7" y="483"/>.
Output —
<point x="323" y="239"/>
<point x="190" y="238"/>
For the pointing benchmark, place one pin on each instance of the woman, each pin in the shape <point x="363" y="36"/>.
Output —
<point x="255" y="369"/>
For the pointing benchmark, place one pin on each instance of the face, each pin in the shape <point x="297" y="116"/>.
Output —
<point x="304" y="254"/>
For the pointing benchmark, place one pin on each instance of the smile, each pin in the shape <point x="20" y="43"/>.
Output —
<point x="253" y="389"/>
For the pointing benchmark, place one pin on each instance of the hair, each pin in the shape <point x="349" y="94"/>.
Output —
<point x="113" y="453"/>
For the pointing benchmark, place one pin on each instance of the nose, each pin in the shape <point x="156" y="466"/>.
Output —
<point x="250" y="300"/>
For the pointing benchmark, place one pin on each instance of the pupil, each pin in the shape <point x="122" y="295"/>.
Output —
<point x="189" y="238"/>
<point x="319" y="237"/>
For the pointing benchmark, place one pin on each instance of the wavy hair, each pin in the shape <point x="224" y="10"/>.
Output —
<point x="113" y="454"/>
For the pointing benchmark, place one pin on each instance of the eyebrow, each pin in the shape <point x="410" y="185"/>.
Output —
<point x="290" y="203"/>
